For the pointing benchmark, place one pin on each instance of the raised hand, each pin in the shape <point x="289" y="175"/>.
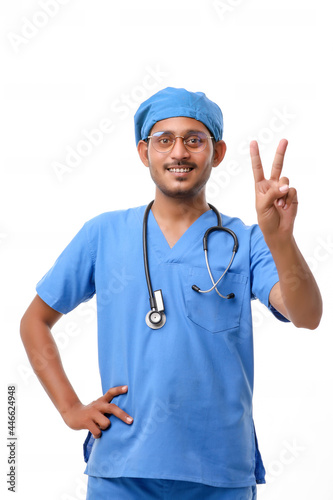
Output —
<point x="276" y="202"/>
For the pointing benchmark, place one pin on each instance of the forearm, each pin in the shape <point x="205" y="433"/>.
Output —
<point x="44" y="357"/>
<point x="46" y="363"/>
<point x="299" y="291"/>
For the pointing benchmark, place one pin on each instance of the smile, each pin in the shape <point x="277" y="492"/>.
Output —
<point x="180" y="170"/>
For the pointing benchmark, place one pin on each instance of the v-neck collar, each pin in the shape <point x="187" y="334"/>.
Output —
<point x="158" y="242"/>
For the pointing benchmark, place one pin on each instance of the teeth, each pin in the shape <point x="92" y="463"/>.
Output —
<point x="179" y="170"/>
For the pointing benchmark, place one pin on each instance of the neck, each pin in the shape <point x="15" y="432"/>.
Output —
<point x="176" y="209"/>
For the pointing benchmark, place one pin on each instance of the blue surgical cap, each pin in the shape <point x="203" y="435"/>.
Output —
<point x="171" y="102"/>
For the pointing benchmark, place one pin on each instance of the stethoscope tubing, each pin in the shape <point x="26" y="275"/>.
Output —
<point x="155" y="318"/>
<point x="214" y="287"/>
<point x="145" y="257"/>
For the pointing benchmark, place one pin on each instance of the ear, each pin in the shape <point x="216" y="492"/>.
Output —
<point x="143" y="152"/>
<point x="220" y="149"/>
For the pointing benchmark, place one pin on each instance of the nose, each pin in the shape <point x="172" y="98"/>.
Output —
<point x="179" y="151"/>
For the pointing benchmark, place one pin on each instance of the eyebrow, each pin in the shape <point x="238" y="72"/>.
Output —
<point x="192" y="131"/>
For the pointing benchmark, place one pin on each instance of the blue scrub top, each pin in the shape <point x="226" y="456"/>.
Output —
<point x="190" y="383"/>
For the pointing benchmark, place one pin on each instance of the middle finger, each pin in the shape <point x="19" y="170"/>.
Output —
<point x="278" y="160"/>
<point x="118" y="412"/>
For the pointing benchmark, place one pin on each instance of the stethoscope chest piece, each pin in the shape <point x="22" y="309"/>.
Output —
<point x="155" y="319"/>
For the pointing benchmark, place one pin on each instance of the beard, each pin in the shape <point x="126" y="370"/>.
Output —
<point x="182" y="187"/>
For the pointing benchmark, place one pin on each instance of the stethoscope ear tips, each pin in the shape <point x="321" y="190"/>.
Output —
<point x="231" y="296"/>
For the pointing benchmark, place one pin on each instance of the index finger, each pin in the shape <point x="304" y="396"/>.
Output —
<point x="258" y="172"/>
<point x="278" y="159"/>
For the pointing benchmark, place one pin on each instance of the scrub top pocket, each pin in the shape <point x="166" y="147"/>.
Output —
<point x="209" y="310"/>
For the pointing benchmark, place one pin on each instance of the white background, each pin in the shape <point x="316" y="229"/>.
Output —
<point x="66" y="71"/>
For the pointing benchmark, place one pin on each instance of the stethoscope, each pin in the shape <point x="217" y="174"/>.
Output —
<point x="156" y="318"/>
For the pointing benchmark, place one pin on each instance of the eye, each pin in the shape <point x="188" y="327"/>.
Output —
<point x="163" y="138"/>
<point x="194" y="140"/>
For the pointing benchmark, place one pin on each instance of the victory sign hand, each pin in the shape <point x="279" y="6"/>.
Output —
<point x="276" y="202"/>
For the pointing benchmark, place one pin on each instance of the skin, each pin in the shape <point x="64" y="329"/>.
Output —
<point x="179" y="200"/>
<point x="296" y="295"/>
<point x="44" y="357"/>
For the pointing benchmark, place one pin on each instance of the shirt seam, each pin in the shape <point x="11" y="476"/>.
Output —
<point x="93" y="258"/>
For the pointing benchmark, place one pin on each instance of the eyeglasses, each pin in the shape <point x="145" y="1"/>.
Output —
<point x="195" y="142"/>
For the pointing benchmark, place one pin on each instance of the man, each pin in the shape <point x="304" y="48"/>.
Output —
<point x="175" y="419"/>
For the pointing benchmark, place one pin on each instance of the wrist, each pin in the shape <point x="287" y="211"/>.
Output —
<point x="66" y="408"/>
<point x="280" y="243"/>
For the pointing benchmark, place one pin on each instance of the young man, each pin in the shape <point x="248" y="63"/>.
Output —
<point x="175" y="420"/>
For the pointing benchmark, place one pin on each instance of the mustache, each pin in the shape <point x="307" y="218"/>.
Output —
<point x="180" y="164"/>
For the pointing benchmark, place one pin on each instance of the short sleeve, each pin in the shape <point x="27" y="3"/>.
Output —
<point x="264" y="274"/>
<point x="71" y="279"/>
